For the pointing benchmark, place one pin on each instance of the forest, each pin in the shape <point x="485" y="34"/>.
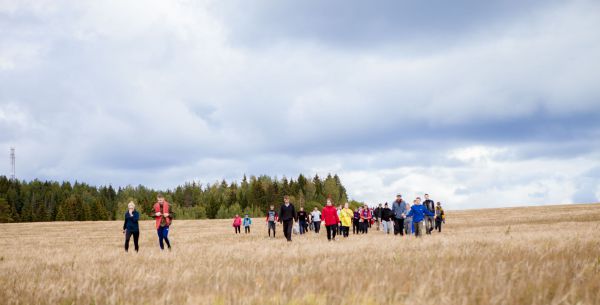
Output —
<point x="22" y="201"/>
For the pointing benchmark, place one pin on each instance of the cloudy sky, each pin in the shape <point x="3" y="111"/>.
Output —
<point x="480" y="103"/>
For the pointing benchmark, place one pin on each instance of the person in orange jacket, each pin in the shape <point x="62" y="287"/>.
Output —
<point x="163" y="221"/>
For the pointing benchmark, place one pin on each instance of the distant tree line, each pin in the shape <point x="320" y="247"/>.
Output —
<point x="22" y="201"/>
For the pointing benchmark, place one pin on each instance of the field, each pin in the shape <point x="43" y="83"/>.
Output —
<point x="532" y="255"/>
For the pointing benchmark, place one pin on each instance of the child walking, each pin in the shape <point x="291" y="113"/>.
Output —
<point x="247" y="223"/>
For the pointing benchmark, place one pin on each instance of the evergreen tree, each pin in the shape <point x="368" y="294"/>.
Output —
<point x="5" y="211"/>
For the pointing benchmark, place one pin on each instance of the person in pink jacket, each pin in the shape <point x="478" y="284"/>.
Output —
<point x="330" y="216"/>
<point x="237" y="223"/>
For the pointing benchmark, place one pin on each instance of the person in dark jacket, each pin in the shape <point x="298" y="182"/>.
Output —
<point x="287" y="216"/>
<point x="418" y="213"/>
<point x="131" y="226"/>
<point x="430" y="205"/>
<point x="355" y="222"/>
<point x="386" y="217"/>
<point x="303" y="221"/>
<point x="377" y="215"/>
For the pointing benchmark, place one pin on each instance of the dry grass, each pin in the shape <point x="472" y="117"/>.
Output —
<point x="541" y="255"/>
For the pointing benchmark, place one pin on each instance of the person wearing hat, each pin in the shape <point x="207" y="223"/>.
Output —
<point x="399" y="211"/>
<point x="131" y="226"/>
<point x="247" y="223"/>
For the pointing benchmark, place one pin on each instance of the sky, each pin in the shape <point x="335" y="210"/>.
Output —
<point x="478" y="103"/>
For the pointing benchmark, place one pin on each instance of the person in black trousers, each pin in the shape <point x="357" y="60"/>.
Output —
<point x="131" y="227"/>
<point x="287" y="216"/>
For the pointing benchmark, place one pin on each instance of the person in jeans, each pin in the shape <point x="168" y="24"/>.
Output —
<point x="386" y="219"/>
<point x="131" y="226"/>
<point x="302" y="220"/>
<point x="439" y="217"/>
<point x="331" y="219"/>
<point x="399" y="210"/>
<point x="287" y="216"/>
<point x="163" y="221"/>
<point x="408" y="221"/>
<point x="247" y="224"/>
<point x="346" y="216"/>
<point x="418" y="212"/>
<point x="429" y="220"/>
<point x="316" y="219"/>
<point x="237" y="223"/>
<point x="272" y="218"/>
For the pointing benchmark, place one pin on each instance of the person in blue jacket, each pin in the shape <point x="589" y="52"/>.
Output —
<point x="247" y="223"/>
<point x="418" y="212"/>
<point x="131" y="227"/>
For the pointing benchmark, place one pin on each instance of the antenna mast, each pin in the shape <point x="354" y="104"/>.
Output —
<point x="12" y="164"/>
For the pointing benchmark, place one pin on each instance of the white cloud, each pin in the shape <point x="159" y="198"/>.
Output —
<point x="158" y="93"/>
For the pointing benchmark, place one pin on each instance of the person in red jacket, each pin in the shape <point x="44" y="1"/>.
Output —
<point x="365" y="217"/>
<point x="330" y="216"/>
<point x="237" y="223"/>
<point x="163" y="221"/>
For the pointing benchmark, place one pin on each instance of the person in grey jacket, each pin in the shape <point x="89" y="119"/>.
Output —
<point x="399" y="209"/>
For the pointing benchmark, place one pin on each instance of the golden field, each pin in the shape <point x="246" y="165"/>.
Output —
<point x="530" y="255"/>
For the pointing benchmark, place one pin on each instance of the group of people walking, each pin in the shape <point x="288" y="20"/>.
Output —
<point x="402" y="217"/>
<point x="162" y="219"/>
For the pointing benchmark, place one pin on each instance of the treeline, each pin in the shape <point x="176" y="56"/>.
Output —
<point x="22" y="201"/>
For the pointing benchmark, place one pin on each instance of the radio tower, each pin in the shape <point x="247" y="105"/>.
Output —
<point x="12" y="164"/>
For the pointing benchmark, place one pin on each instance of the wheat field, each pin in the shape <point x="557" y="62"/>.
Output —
<point x="530" y="255"/>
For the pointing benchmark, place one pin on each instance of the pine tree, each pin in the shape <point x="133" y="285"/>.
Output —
<point x="5" y="211"/>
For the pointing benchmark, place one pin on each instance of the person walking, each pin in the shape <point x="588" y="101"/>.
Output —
<point x="316" y="219"/>
<point x="408" y="221"/>
<point x="377" y="216"/>
<point x="237" y="223"/>
<point x="303" y="221"/>
<point x="386" y="217"/>
<point x="429" y="220"/>
<point x="346" y="216"/>
<point x="365" y="216"/>
<point x="287" y="216"/>
<point x="331" y="219"/>
<point x="272" y="218"/>
<point x="131" y="226"/>
<point x="163" y="221"/>
<point x="439" y="217"/>
<point x="399" y="210"/>
<point x="247" y="224"/>
<point x="418" y="211"/>
<point x="356" y="221"/>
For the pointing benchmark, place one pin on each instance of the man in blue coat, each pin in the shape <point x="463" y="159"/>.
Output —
<point x="418" y="213"/>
